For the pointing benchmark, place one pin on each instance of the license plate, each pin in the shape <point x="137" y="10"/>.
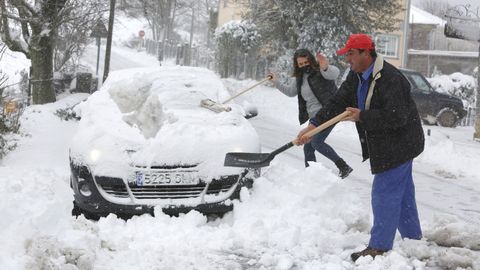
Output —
<point x="165" y="178"/>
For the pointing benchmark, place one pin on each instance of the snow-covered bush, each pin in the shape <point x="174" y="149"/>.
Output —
<point x="243" y="35"/>
<point x="237" y="43"/>
<point x="456" y="84"/>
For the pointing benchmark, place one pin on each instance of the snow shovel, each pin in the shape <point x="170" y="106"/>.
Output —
<point x="257" y="160"/>
<point x="220" y="107"/>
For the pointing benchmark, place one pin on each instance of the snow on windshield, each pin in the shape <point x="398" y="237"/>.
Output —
<point x="153" y="117"/>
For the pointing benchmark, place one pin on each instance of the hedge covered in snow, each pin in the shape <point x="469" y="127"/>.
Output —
<point x="456" y="84"/>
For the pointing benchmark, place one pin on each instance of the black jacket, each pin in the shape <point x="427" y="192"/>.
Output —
<point x="322" y="88"/>
<point x="390" y="130"/>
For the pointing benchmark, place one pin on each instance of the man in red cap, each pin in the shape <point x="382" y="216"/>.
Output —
<point x="378" y="98"/>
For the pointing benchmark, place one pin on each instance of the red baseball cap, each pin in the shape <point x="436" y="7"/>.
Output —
<point x="357" y="41"/>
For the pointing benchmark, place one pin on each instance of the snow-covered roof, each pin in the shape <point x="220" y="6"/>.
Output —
<point x="444" y="53"/>
<point x="420" y="16"/>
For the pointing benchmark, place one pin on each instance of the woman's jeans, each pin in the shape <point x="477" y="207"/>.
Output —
<point x="318" y="143"/>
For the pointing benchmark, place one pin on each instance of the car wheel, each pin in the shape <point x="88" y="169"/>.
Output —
<point x="447" y="117"/>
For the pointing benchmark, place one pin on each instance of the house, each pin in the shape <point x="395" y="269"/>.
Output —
<point x="392" y="44"/>
<point x="431" y="52"/>
<point x="229" y="10"/>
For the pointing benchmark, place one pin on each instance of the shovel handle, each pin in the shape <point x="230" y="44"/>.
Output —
<point x="325" y="125"/>
<point x="260" y="82"/>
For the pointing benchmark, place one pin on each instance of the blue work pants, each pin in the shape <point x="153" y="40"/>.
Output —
<point x="394" y="207"/>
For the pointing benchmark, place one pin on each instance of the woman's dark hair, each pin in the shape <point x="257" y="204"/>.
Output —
<point x="303" y="53"/>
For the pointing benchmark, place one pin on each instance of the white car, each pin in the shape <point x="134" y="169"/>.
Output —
<point x="144" y="141"/>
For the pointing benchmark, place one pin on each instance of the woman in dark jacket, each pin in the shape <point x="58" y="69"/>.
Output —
<point x="314" y="85"/>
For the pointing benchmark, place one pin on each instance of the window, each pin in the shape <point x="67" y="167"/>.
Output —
<point x="419" y="84"/>
<point x="387" y="45"/>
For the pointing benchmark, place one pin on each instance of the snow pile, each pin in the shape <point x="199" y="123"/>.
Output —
<point x="451" y="232"/>
<point x="451" y="160"/>
<point x="301" y="218"/>
<point x="140" y="107"/>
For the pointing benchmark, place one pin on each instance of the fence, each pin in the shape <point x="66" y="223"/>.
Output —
<point x="240" y="65"/>
<point x="469" y="119"/>
<point x="181" y="52"/>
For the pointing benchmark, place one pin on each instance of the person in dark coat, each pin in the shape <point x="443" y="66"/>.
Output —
<point x="378" y="98"/>
<point x="314" y="85"/>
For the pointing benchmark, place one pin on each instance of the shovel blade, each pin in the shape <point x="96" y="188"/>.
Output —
<point x="247" y="160"/>
<point x="214" y="106"/>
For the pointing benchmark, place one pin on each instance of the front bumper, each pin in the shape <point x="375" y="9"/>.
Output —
<point x="107" y="195"/>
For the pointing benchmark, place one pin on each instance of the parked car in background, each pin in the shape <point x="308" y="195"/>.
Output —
<point x="434" y="107"/>
<point x="144" y="143"/>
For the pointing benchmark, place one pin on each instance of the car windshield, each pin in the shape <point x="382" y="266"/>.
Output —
<point x="418" y="82"/>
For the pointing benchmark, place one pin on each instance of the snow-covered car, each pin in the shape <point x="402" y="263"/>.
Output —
<point x="144" y="142"/>
<point x="434" y="107"/>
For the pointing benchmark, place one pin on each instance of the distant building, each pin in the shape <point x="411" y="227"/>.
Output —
<point x="230" y="10"/>
<point x="430" y="51"/>
<point x="392" y="44"/>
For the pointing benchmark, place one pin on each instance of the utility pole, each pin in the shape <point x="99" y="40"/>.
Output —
<point x="108" y="49"/>
<point x="406" y="33"/>
<point x="476" y="135"/>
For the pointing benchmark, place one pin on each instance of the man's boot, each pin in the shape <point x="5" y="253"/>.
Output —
<point x="344" y="169"/>
<point x="367" y="252"/>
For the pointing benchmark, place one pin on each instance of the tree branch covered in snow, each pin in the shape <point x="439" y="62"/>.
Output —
<point x="235" y="40"/>
<point x="47" y="30"/>
<point x="319" y="25"/>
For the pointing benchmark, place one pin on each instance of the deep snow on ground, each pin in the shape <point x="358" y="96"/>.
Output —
<point x="293" y="218"/>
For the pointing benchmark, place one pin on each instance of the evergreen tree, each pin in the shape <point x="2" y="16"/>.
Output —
<point x="319" y="25"/>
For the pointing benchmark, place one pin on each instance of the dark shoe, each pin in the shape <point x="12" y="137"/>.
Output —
<point x="344" y="169"/>
<point x="367" y="252"/>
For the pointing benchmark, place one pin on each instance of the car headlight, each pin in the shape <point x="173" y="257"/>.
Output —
<point x="84" y="188"/>
<point x="94" y="155"/>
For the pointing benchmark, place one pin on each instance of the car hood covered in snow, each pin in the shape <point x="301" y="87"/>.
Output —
<point x="145" y="117"/>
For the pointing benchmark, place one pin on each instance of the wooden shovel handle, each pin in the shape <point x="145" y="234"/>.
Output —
<point x="325" y="125"/>
<point x="260" y="82"/>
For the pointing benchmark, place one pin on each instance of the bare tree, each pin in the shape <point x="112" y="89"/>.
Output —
<point x="73" y="34"/>
<point x="160" y="15"/>
<point x="436" y="7"/>
<point x="33" y="29"/>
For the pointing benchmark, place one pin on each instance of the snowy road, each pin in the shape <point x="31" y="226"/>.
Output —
<point x="293" y="218"/>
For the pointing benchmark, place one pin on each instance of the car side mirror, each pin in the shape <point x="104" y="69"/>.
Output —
<point x="251" y="112"/>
